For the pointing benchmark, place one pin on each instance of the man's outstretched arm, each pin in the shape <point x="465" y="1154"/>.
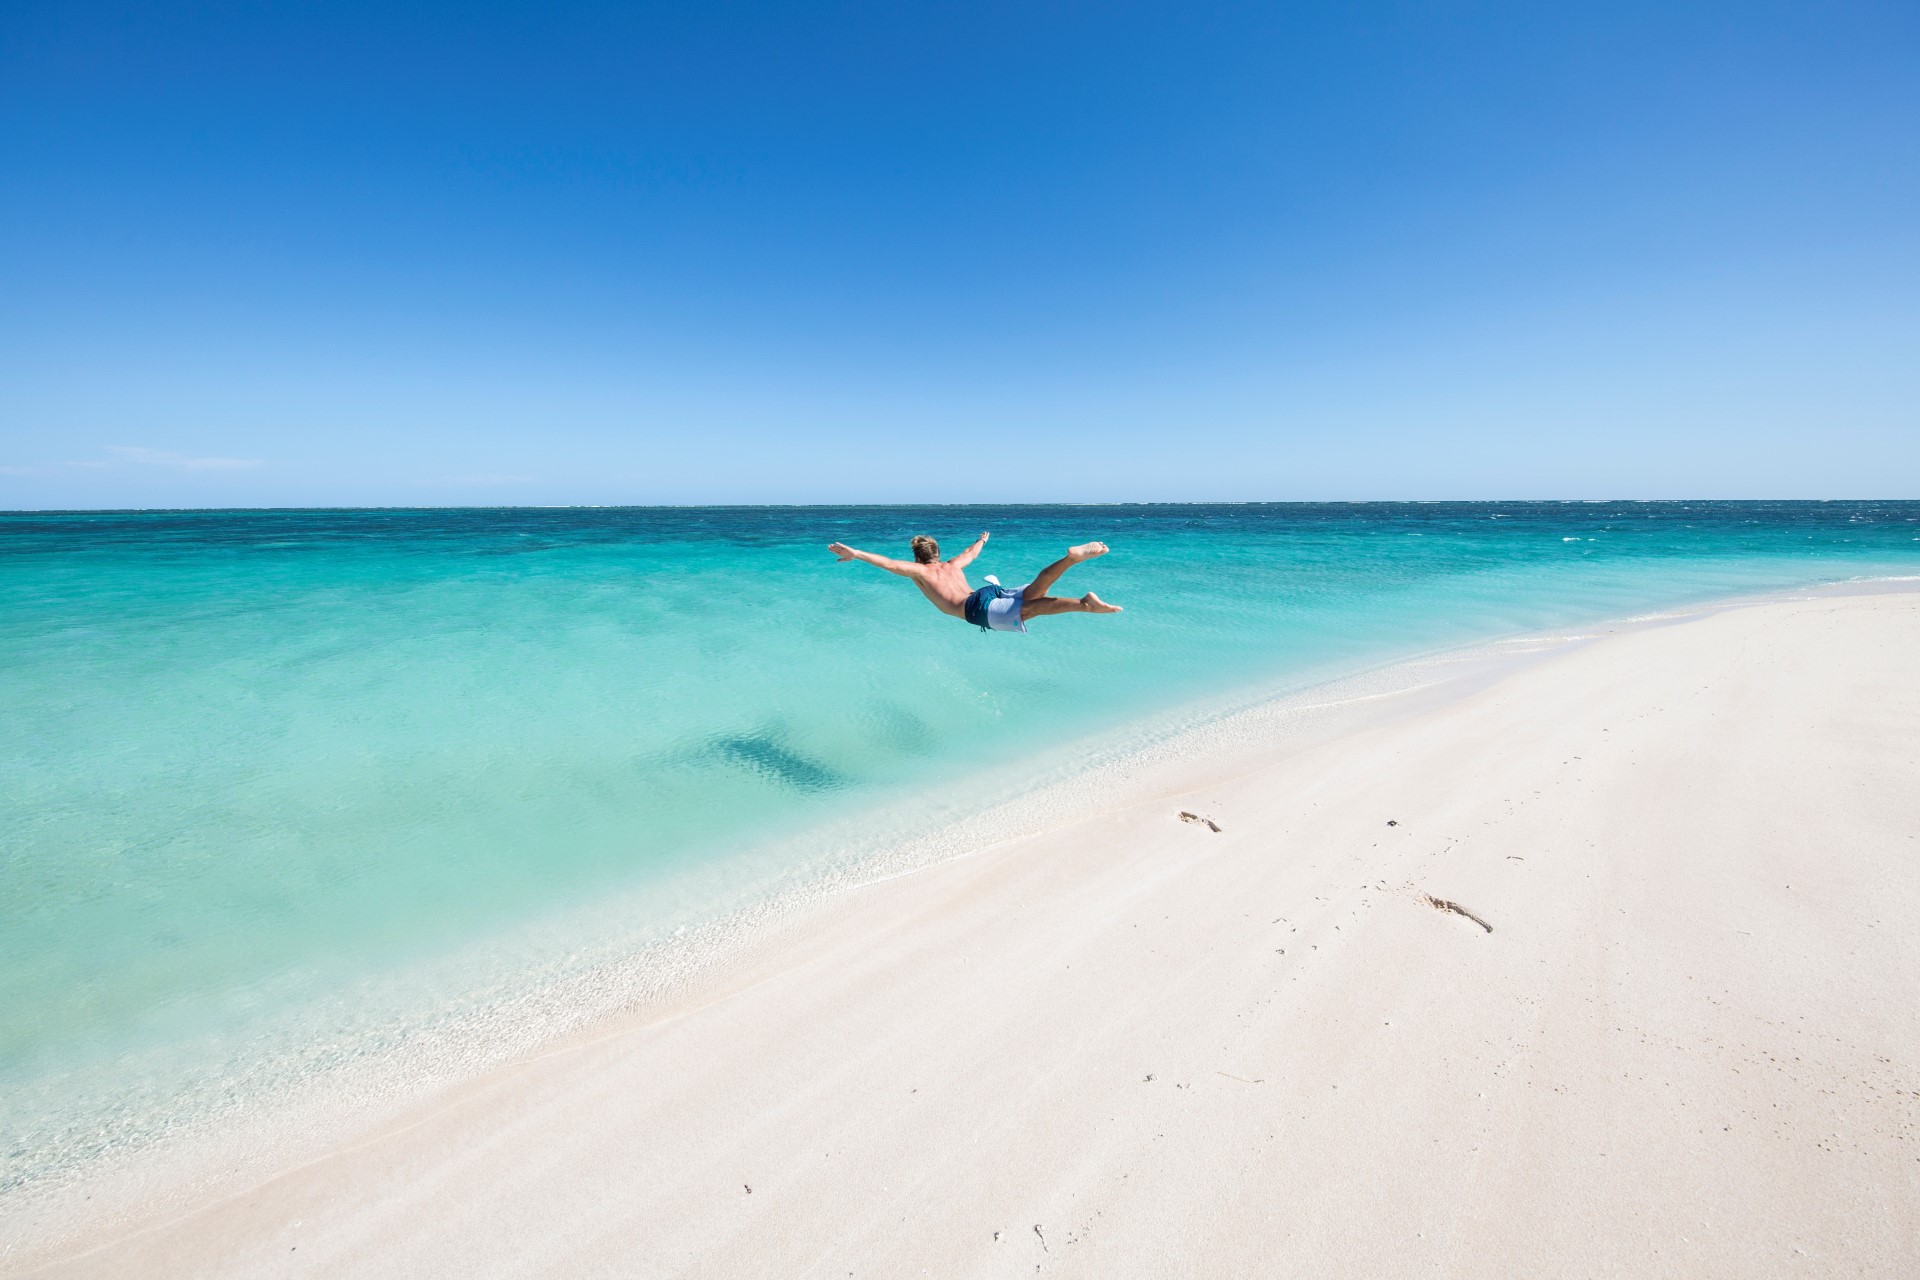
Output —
<point x="965" y="558"/>
<point x="905" y="568"/>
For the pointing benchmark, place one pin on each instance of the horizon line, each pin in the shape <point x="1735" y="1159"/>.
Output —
<point x="804" y="506"/>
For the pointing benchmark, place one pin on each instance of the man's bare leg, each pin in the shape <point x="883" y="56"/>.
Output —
<point x="1040" y="607"/>
<point x="1043" y="583"/>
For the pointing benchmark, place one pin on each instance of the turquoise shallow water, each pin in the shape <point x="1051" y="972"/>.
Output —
<point x="252" y="760"/>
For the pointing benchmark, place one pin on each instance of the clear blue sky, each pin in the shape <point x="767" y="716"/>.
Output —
<point x="342" y="253"/>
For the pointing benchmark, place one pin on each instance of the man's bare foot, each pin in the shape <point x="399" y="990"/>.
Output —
<point x="1086" y="551"/>
<point x="1093" y="603"/>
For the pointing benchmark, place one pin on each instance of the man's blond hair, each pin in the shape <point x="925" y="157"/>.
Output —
<point x="925" y="549"/>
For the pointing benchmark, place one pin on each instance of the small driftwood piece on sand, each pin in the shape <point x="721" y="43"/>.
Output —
<point x="1208" y="823"/>
<point x="1443" y="904"/>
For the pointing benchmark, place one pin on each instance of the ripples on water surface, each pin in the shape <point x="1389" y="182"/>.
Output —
<point x="252" y="760"/>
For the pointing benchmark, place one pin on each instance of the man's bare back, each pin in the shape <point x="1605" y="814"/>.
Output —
<point x="993" y="607"/>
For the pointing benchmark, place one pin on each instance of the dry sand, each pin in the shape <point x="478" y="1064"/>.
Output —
<point x="1689" y="1046"/>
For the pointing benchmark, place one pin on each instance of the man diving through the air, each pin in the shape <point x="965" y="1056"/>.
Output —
<point x="993" y="606"/>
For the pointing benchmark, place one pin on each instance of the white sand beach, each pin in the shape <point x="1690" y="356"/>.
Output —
<point x="1137" y="1046"/>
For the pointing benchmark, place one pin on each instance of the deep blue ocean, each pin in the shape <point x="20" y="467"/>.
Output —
<point x="256" y="764"/>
